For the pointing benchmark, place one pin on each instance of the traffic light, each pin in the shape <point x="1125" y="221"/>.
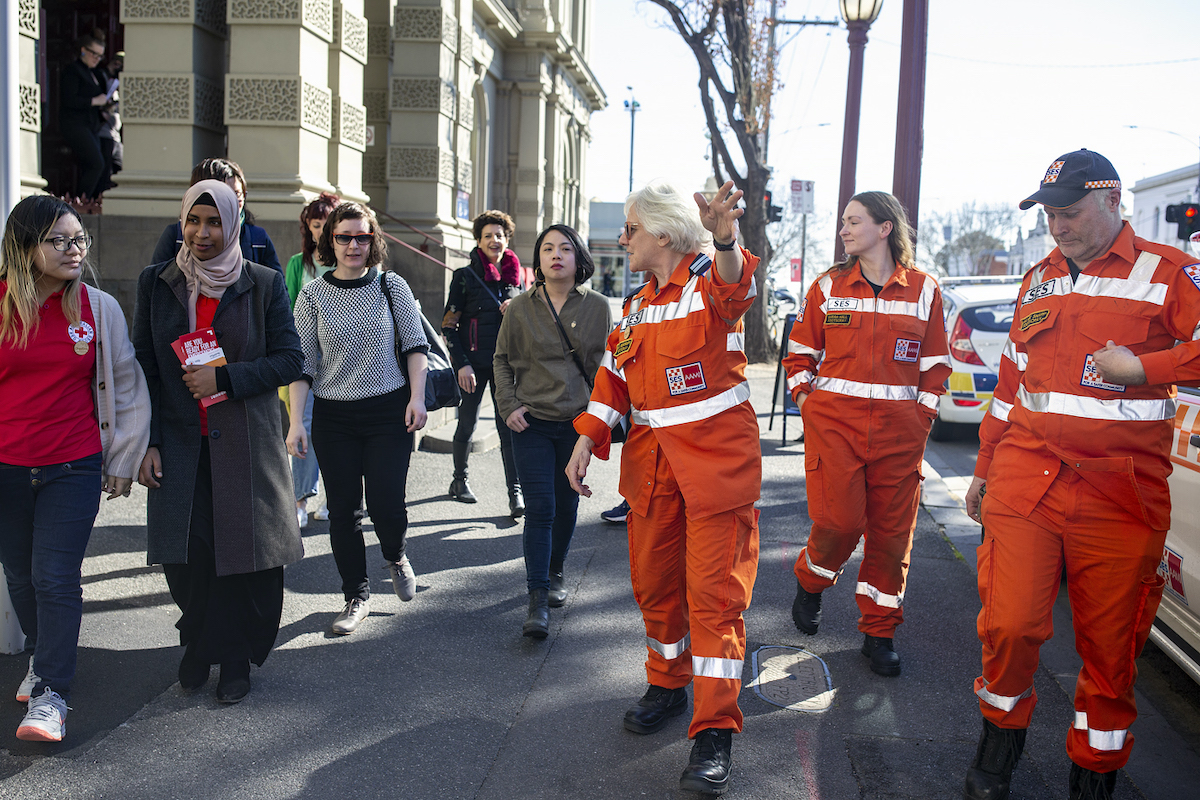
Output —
<point x="774" y="213"/>
<point x="1187" y="217"/>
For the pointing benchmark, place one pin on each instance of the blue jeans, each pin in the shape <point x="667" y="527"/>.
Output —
<point x="305" y="471"/>
<point x="542" y="452"/>
<point x="47" y="519"/>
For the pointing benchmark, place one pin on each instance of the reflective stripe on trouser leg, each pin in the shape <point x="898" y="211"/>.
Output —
<point x="893" y="497"/>
<point x="1111" y="560"/>
<point x="722" y="562"/>
<point x="657" y="571"/>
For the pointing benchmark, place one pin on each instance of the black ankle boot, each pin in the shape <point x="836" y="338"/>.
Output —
<point x="1088" y="784"/>
<point x="708" y="766"/>
<point x="884" y="660"/>
<point x="537" y="622"/>
<point x="991" y="772"/>
<point x="558" y="589"/>
<point x="192" y="673"/>
<point x="516" y="501"/>
<point x="657" y="706"/>
<point x="234" y="683"/>
<point x="459" y="489"/>
<point x="806" y="610"/>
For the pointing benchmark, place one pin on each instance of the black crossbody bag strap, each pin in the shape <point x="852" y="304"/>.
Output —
<point x="400" y="362"/>
<point x="486" y="288"/>
<point x="566" y="339"/>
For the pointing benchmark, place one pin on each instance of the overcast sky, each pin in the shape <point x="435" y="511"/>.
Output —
<point x="1009" y="87"/>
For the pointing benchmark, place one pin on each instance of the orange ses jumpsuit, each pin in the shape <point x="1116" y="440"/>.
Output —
<point x="1076" y="472"/>
<point x="691" y="470"/>
<point x="869" y="407"/>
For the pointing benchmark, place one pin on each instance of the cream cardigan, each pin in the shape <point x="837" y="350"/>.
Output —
<point x="122" y="399"/>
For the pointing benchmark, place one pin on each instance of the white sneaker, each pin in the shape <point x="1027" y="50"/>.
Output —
<point x="302" y="516"/>
<point x="46" y="719"/>
<point x="27" y="683"/>
<point x="322" y="513"/>
<point x="404" y="580"/>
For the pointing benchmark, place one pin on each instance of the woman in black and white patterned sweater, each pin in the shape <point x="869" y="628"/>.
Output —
<point x="359" y="434"/>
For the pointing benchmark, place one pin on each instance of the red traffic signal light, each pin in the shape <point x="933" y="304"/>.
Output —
<point x="1187" y="217"/>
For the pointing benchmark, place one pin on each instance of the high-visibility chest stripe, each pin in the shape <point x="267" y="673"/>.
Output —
<point x="867" y="391"/>
<point x="726" y="669"/>
<point x="1144" y="267"/>
<point x="607" y="362"/>
<point x="927" y="399"/>
<point x="1000" y="409"/>
<point x="799" y="378"/>
<point x="873" y="305"/>
<point x="1000" y="701"/>
<point x="606" y="414"/>
<point x="669" y="651"/>
<point x="929" y="362"/>
<point x="797" y="349"/>
<point x="692" y="412"/>
<point x="690" y="301"/>
<point x="879" y="598"/>
<point x="827" y="574"/>
<point x="1121" y="288"/>
<point x="735" y="342"/>
<point x="1100" y="740"/>
<point x="1115" y="410"/>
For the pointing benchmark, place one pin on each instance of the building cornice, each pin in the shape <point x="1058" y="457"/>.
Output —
<point x="498" y="20"/>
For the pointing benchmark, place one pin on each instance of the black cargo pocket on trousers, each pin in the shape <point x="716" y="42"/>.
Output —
<point x="1149" y="596"/>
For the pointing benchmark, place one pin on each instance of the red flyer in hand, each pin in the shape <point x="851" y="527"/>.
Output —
<point x="201" y="348"/>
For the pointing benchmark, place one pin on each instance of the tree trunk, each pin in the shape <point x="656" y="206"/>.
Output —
<point x="759" y="346"/>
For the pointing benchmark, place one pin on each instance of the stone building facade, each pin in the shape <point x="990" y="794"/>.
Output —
<point x="430" y="110"/>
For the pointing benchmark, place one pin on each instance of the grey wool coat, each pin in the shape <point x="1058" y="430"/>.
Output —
<point x="254" y="513"/>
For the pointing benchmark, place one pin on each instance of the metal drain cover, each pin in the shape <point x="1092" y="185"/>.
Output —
<point x="792" y="678"/>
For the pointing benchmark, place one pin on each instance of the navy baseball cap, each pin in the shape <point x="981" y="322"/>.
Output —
<point x="1070" y="177"/>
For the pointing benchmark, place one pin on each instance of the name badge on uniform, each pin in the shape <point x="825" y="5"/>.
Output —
<point x="1044" y="289"/>
<point x="688" y="378"/>
<point x="840" y="318"/>
<point x="1036" y="318"/>
<point x="843" y="303"/>
<point x="633" y="319"/>
<point x="907" y="350"/>
<point x="623" y="347"/>
<point x="81" y="334"/>
<point x="1091" y="377"/>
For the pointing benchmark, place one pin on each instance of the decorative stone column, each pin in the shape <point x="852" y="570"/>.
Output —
<point x="347" y="57"/>
<point x="376" y="76"/>
<point x="278" y="106"/>
<point x="531" y="169"/>
<point x="171" y="101"/>
<point x="30" y="98"/>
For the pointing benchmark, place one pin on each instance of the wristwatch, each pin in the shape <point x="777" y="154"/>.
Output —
<point x="725" y="247"/>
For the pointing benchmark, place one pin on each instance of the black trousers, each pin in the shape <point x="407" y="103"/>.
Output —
<point x="95" y="167"/>
<point x="468" y="418"/>
<point x="363" y="442"/>
<point x="225" y="618"/>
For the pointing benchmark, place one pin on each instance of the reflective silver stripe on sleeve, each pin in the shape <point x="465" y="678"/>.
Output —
<point x="606" y="362"/>
<point x="1115" y="410"/>
<point x="752" y="289"/>
<point x="1196" y="332"/>
<point x="669" y="651"/>
<point x="867" y="391"/>
<point x="927" y="290"/>
<point x="736" y="341"/>
<point x="1143" y="268"/>
<point x="1121" y="288"/>
<point x="693" y="412"/>
<point x="877" y="597"/>
<point x="929" y="362"/>
<point x="1000" y="701"/>
<point x="797" y="349"/>
<point x="927" y="399"/>
<point x="728" y="669"/>
<point x="1000" y="409"/>
<point x="1020" y="360"/>
<point x="827" y="574"/>
<point x="825" y="283"/>
<point x="799" y="378"/>
<point x="609" y="416"/>
<point x="1100" y="740"/>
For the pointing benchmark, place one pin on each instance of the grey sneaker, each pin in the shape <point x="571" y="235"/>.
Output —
<point x="347" y="622"/>
<point x="404" y="580"/>
<point x="46" y="719"/>
<point x="27" y="684"/>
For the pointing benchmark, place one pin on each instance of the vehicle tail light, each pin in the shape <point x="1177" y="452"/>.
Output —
<point x="966" y="403"/>
<point x="960" y="344"/>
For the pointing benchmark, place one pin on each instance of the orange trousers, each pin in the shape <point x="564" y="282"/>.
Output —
<point x="1111" y="560"/>
<point x="692" y="579"/>
<point x="856" y="488"/>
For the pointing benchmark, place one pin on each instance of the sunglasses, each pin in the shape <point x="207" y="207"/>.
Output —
<point x="363" y="239"/>
<point x="62" y="244"/>
<point x="629" y="229"/>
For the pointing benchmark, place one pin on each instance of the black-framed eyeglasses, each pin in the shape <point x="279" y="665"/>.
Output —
<point x="62" y="244"/>
<point x="363" y="239"/>
<point x="93" y="52"/>
<point x="629" y="229"/>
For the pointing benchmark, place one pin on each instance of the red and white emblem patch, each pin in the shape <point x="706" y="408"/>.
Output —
<point x="688" y="378"/>
<point x="907" y="350"/>
<point x="1052" y="173"/>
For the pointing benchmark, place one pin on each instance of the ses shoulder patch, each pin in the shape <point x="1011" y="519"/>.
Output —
<point x="1193" y="273"/>
<point x="1036" y="318"/>
<point x="840" y="318"/>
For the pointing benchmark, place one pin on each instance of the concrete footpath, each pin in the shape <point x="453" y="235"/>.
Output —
<point x="442" y="698"/>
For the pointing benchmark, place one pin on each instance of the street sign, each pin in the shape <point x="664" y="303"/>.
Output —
<point x="797" y="270"/>
<point x="370" y="135"/>
<point x="802" y="197"/>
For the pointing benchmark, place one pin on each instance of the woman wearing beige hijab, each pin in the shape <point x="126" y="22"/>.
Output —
<point x="223" y="561"/>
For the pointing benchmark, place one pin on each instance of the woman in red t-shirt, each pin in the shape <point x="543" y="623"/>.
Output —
<point x="74" y="421"/>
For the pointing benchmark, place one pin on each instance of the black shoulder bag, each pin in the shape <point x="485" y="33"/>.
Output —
<point x="441" y="380"/>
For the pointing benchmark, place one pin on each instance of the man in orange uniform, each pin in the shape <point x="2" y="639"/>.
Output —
<point x="867" y="360"/>
<point x="691" y="467"/>
<point x="1074" y="459"/>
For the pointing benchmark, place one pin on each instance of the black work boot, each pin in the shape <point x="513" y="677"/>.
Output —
<point x="537" y="622"/>
<point x="516" y="501"/>
<point x="1087" y="784"/>
<point x="459" y="489"/>
<point x="884" y="660"/>
<point x="558" y="589"/>
<point x="806" y="609"/>
<point x="991" y="771"/>
<point x="657" y="706"/>
<point x="708" y="766"/>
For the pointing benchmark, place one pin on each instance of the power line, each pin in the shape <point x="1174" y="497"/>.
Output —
<point x="1048" y="66"/>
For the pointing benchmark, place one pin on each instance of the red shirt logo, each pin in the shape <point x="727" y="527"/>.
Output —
<point x="907" y="350"/>
<point x="688" y="378"/>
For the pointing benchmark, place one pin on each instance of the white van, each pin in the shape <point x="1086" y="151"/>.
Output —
<point x="1176" y="630"/>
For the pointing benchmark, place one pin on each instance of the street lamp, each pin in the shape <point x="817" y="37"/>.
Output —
<point x="859" y="14"/>
<point x="632" y="106"/>
<point x="1181" y="136"/>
